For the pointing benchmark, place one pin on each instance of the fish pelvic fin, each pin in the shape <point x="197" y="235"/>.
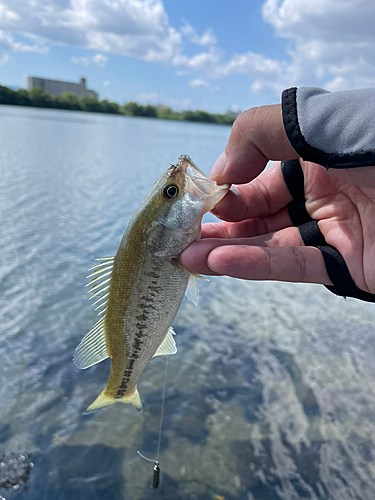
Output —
<point x="103" y="400"/>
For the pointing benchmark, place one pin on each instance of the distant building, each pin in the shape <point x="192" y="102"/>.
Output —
<point x="58" y="87"/>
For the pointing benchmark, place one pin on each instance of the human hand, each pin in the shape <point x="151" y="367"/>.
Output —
<point x="257" y="239"/>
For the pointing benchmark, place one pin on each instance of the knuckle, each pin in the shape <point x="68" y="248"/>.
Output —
<point x="267" y="264"/>
<point x="265" y="194"/>
<point x="259" y="226"/>
<point x="245" y="124"/>
<point x="300" y="260"/>
<point x="271" y="242"/>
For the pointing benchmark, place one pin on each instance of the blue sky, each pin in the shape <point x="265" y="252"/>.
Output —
<point x="206" y="54"/>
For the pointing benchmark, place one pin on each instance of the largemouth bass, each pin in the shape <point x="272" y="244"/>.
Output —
<point x="142" y="287"/>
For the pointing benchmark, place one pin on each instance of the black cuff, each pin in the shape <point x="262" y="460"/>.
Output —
<point x="298" y="213"/>
<point x="293" y="176"/>
<point x="310" y="153"/>
<point x="337" y="269"/>
<point x="338" y="273"/>
<point x="311" y="235"/>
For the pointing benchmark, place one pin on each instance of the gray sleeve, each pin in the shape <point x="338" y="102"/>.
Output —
<point x="334" y="129"/>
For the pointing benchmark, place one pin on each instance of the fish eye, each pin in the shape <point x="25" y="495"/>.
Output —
<point x="170" y="191"/>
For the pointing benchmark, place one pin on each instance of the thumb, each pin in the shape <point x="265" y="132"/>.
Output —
<point x="258" y="135"/>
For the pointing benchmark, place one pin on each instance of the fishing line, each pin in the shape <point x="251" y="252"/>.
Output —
<point x="162" y="407"/>
<point x="156" y="476"/>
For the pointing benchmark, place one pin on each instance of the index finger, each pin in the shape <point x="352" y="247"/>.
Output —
<point x="267" y="194"/>
<point x="258" y="135"/>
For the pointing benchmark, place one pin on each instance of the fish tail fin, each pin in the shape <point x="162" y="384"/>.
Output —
<point x="134" y="399"/>
<point x="103" y="400"/>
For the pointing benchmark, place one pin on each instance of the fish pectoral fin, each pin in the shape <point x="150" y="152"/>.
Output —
<point x="199" y="276"/>
<point x="168" y="346"/>
<point x="92" y="349"/>
<point x="192" y="290"/>
<point x="103" y="400"/>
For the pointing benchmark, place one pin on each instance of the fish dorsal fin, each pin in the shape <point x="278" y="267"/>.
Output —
<point x="92" y="349"/>
<point x="168" y="346"/>
<point x="99" y="283"/>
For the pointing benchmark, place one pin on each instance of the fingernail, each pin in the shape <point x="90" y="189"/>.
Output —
<point x="219" y="166"/>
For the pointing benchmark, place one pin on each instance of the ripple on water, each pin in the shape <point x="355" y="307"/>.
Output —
<point x="271" y="394"/>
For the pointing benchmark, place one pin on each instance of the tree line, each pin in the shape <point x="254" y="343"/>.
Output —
<point x="39" y="98"/>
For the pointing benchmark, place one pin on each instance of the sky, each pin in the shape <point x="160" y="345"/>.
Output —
<point x="197" y="54"/>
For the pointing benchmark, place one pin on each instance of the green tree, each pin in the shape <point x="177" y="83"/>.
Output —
<point x="23" y="97"/>
<point x="149" y="111"/>
<point x="225" y="119"/>
<point x="7" y="96"/>
<point x="132" y="109"/>
<point x="110" y="107"/>
<point x="91" y="104"/>
<point x="40" y="98"/>
<point x="198" y="116"/>
<point x="165" y="113"/>
<point x="69" y="100"/>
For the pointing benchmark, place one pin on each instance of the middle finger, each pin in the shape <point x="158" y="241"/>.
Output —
<point x="194" y="258"/>
<point x="247" y="228"/>
<point x="267" y="194"/>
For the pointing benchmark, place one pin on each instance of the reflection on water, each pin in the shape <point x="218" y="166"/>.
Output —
<point x="271" y="394"/>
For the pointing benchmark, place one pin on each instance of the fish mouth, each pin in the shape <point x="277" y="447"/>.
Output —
<point x="198" y="184"/>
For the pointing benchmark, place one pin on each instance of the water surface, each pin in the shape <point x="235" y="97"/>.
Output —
<point x="271" y="394"/>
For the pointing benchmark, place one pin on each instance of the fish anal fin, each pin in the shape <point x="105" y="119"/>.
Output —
<point x="103" y="400"/>
<point x="92" y="349"/>
<point x="168" y="346"/>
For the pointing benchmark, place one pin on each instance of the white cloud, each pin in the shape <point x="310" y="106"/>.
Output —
<point x="148" y="98"/>
<point x="106" y="83"/>
<point x="235" y="109"/>
<point x="203" y="84"/>
<point x="329" y="42"/>
<point x="207" y="38"/>
<point x="333" y="41"/>
<point x="206" y="61"/>
<point x="100" y="60"/>
<point x="7" y="14"/>
<point x="8" y="42"/>
<point x="337" y="83"/>
<point x="4" y="59"/>
<point x="137" y="28"/>
<point x="81" y="61"/>
<point x="332" y="20"/>
<point x="178" y="104"/>
<point x="199" y="83"/>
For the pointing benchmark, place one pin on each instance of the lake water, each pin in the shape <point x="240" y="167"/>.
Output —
<point x="271" y="394"/>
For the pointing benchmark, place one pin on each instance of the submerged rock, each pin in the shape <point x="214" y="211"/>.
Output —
<point x="14" y="469"/>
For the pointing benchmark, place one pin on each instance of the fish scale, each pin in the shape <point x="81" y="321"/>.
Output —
<point x="147" y="282"/>
<point x="148" y="316"/>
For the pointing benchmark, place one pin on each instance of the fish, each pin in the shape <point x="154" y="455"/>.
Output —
<point x="140" y="290"/>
